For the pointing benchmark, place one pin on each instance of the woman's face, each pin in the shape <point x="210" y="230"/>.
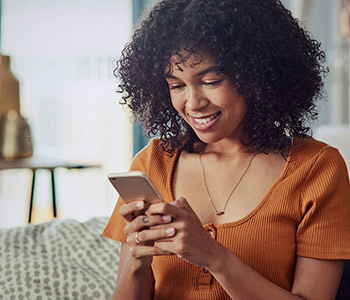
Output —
<point x="206" y="100"/>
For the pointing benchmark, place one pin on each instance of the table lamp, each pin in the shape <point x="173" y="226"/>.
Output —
<point x="15" y="136"/>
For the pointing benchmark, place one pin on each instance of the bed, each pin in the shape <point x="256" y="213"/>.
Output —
<point x="58" y="259"/>
<point x="67" y="259"/>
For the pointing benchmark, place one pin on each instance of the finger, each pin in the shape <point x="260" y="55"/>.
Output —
<point x="182" y="203"/>
<point x="143" y="251"/>
<point x="150" y="221"/>
<point x="128" y="210"/>
<point x="163" y="208"/>
<point x="143" y="221"/>
<point x="166" y="245"/>
<point x="151" y="235"/>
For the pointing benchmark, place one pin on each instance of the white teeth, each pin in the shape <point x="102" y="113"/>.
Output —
<point x="206" y="120"/>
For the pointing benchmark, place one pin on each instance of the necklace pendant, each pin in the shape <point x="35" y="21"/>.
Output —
<point x="219" y="213"/>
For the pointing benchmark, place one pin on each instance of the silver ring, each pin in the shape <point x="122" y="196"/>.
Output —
<point x="136" y="239"/>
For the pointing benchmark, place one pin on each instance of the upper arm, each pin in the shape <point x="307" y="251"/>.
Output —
<point x="317" y="279"/>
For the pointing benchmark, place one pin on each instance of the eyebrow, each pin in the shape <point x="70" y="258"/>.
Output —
<point x="205" y="71"/>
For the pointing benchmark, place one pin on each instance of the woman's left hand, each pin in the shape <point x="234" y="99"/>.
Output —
<point x="191" y="241"/>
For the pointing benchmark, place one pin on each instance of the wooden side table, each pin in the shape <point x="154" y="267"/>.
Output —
<point x="45" y="163"/>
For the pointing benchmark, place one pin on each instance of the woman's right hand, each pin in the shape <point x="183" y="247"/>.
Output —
<point x="136" y="221"/>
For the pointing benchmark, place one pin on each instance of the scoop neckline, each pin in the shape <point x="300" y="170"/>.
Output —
<point x="250" y="214"/>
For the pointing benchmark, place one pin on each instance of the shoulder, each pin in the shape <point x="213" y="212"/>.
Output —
<point x="157" y="164"/>
<point x="310" y="153"/>
<point x="324" y="199"/>
<point x="322" y="173"/>
<point x="153" y="156"/>
<point x="307" y="148"/>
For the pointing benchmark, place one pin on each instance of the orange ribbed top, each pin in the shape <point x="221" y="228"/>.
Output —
<point x="306" y="213"/>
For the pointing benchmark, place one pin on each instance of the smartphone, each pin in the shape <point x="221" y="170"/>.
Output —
<point x="134" y="186"/>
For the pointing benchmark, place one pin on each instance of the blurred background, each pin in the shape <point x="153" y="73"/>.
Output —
<point x="63" y="53"/>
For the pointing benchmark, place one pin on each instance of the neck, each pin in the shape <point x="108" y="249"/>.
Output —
<point x="224" y="149"/>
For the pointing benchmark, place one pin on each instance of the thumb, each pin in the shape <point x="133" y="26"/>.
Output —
<point x="182" y="203"/>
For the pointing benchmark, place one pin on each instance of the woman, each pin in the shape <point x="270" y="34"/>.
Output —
<point x="262" y="209"/>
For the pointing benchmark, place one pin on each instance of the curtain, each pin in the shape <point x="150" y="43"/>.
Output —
<point x="140" y="140"/>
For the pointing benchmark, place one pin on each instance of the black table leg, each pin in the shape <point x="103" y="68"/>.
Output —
<point x="31" y="197"/>
<point x="53" y="193"/>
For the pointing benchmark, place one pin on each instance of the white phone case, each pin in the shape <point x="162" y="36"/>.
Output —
<point x="134" y="186"/>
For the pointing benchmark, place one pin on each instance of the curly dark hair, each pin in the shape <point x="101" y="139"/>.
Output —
<point x="275" y="64"/>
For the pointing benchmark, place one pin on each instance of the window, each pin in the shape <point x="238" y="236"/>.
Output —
<point x="63" y="53"/>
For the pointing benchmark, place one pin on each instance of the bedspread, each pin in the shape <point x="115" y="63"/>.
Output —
<point x="59" y="259"/>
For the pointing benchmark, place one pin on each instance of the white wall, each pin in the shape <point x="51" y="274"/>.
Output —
<point x="322" y="19"/>
<point x="63" y="53"/>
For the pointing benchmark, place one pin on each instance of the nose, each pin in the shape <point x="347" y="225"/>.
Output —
<point x="196" y="100"/>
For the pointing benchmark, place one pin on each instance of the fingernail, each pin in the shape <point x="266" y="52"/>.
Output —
<point x="174" y="202"/>
<point x="166" y="218"/>
<point x="170" y="231"/>
<point x="140" y="204"/>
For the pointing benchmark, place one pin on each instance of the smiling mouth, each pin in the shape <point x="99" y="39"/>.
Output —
<point x="207" y="119"/>
<point x="205" y="123"/>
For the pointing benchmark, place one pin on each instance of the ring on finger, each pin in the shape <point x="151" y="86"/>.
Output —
<point x="145" y="220"/>
<point x="136" y="239"/>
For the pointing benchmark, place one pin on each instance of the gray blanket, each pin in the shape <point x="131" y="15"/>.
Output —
<point x="59" y="259"/>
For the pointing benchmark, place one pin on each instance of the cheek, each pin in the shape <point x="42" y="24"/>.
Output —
<point x="243" y="106"/>
<point x="237" y="105"/>
<point x="177" y="104"/>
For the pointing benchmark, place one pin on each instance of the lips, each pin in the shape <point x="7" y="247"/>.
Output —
<point x="205" y="123"/>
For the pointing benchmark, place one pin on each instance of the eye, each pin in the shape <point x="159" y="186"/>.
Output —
<point x="212" y="83"/>
<point x="174" y="87"/>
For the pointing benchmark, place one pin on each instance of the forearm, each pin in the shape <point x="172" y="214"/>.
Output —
<point x="241" y="282"/>
<point x="134" y="282"/>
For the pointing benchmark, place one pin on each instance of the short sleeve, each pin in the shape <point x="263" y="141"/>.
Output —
<point x="116" y="223"/>
<point x="324" y="230"/>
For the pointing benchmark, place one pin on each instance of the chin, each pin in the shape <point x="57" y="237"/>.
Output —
<point x="208" y="140"/>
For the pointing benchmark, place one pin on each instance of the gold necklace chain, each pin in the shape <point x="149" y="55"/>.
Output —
<point x="221" y="212"/>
